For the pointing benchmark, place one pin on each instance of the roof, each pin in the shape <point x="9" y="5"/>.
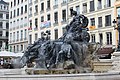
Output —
<point x="3" y="2"/>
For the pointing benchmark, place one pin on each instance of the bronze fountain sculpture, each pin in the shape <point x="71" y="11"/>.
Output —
<point x="72" y="47"/>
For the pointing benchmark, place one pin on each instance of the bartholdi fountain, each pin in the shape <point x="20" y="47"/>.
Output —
<point x="72" y="51"/>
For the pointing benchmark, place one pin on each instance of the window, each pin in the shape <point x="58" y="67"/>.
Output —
<point x="17" y="47"/>
<point x="71" y="11"/>
<point x="56" y="33"/>
<point x="25" y="8"/>
<point x="78" y="9"/>
<point x="36" y="9"/>
<point x="7" y="25"/>
<point x="1" y="44"/>
<point x="30" y="10"/>
<point x="63" y="30"/>
<point x="10" y="37"/>
<point x="14" y="13"/>
<point x="14" y="37"/>
<point x="18" y="1"/>
<point x="21" y="47"/>
<point x="18" y="12"/>
<point x="99" y="21"/>
<point x="0" y="33"/>
<point x="42" y="6"/>
<point x="1" y="15"/>
<point x="36" y="36"/>
<point x="4" y="7"/>
<point x="7" y="34"/>
<point x="14" y="48"/>
<point x="14" y="2"/>
<point x="11" y="14"/>
<point x="64" y="15"/>
<point x="48" y="17"/>
<point x="7" y="16"/>
<point x="48" y="4"/>
<point x="21" y="1"/>
<point x="17" y="35"/>
<point x="21" y="10"/>
<point x="11" y="4"/>
<point x="108" y="20"/>
<point x="36" y="23"/>
<point x="93" y="38"/>
<point x="92" y="8"/>
<point x="108" y="3"/>
<point x="21" y="34"/>
<point x="30" y="23"/>
<point x="1" y="24"/>
<point x="25" y="34"/>
<point x="101" y="38"/>
<point x="92" y="21"/>
<point x="99" y="4"/>
<point x="30" y="39"/>
<point x="109" y="38"/>
<point x="56" y="2"/>
<point x="42" y="18"/>
<point x="56" y="17"/>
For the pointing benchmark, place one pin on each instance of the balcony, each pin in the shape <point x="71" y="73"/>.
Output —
<point x="3" y="37"/>
<point x="64" y="21"/>
<point x="30" y="4"/>
<point x="48" y="9"/>
<point x="56" y="23"/>
<point x="21" y="26"/>
<point x="107" y="5"/>
<point x="42" y="11"/>
<point x="36" y="13"/>
<point x="36" y="1"/>
<point x="64" y="3"/>
<point x="55" y="6"/>
<point x="108" y="24"/>
<point x="17" y="27"/>
<point x="99" y="7"/>
<point x="25" y="24"/>
<point x="84" y="11"/>
<point x="35" y="29"/>
<point x="91" y="9"/>
<point x="100" y="25"/>
<point x="30" y="15"/>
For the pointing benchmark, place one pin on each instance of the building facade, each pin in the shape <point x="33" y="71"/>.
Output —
<point x="53" y="16"/>
<point x="4" y="24"/>
<point x="18" y="23"/>
<point x="100" y="15"/>
<point x="32" y="19"/>
<point x="47" y="15"/>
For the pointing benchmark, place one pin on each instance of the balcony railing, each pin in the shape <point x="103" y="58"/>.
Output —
<point x="42" y="11"/>
<point x="55" y="6"/>
<point x="64" y="3"/>
<point x="36" y="1"/>
<point x="30" y="15"/>
<point x="84" y="11"/>
<point x="48" y="9"/>
<point x="56" y="23"/>
<point x="30" y="4"/>
<point x="99" y="7"/>
<point x="99" y="25"/>
<point x="36" y="13"/>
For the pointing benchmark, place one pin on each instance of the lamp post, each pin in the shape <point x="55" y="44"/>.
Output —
<point x="46" y="35"/>
<point x="117" y="22"/>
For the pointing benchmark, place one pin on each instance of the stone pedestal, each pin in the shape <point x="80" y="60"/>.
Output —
<point x="115" y="61"/>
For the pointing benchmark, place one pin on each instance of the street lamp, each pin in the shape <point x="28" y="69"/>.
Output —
<point x="117" y="22"/>
<point x="46" y="35"/>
